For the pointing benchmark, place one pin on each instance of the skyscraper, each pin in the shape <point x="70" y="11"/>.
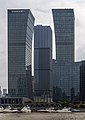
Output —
<point x="66" y="72"/>
<point x="20" y="31"/>
<point x="64" y="34"/>
<point x="42" y="59"/>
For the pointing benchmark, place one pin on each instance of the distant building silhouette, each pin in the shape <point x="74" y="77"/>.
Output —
<point x="4" y="92"/>
<point x="0" y="91"/>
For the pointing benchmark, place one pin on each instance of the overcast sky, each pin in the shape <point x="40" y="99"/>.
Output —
<point x="41" y="10"/>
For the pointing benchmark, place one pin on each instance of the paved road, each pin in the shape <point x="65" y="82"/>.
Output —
<point x="42" y="116"/>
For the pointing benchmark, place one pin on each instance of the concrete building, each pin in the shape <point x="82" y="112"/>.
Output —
<point x="13" y="101"/>
<point x="43" y="61"/>
<point x="20" y="32"/>
<point x="64" y="34"/>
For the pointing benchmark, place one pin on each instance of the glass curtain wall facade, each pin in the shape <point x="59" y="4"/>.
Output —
<point x="42" y="60"/>
<point x="66" y="72"/>
<point x="82" y="81"/>
<point x="66" y="80"/>
<point x="64" y="34"/>
<point x="20" y="32"/>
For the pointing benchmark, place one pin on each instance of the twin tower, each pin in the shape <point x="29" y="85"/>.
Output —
<point x="20" y="34"/>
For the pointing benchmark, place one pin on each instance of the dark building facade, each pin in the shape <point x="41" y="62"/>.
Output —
<point x="66" y="72"/>
<point x="82" y="81"/>
<point x="20" y="32"/>
<point x="64" y="34"/>
<point x="66" y="80"/>
<point x="13" y="101"/>
<point x="42" y="60"/>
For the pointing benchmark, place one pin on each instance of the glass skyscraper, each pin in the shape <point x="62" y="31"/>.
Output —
<point x="66" y="72"/>
<point x="64" y="34"/>
<point x="20" y="32"/>
<point x="43" y="60"/>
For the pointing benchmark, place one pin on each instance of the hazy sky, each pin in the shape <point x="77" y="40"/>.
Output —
<point x="41" y="10"/>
